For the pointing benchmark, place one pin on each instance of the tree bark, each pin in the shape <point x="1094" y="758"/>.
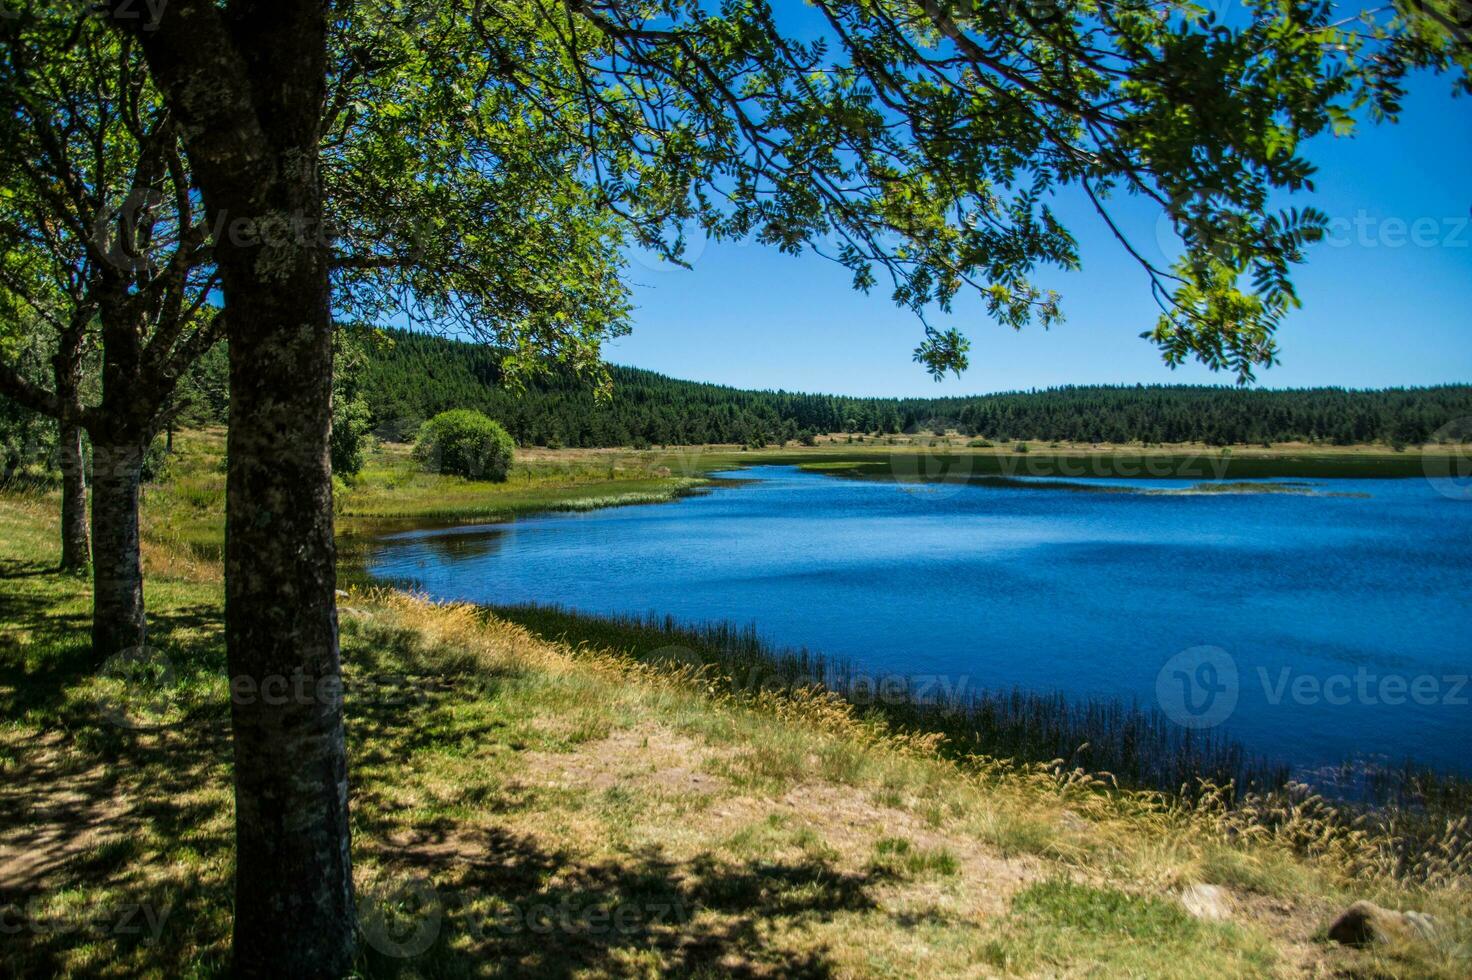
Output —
<point x="76" y="549"/>
<point x="117" y="573"/>
<point x="294" y="910"/>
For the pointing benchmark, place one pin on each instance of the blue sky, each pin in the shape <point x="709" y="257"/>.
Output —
<point x="1387" y="300"/>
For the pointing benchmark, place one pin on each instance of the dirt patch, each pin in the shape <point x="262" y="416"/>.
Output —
<point x="844" y="819"/>
<point x="646" y="754"/>
<point x="50" y="814"/>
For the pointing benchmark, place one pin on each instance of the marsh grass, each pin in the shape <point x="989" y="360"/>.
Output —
<point x="1136" y="746"/>
<point x="1210" y="465"/>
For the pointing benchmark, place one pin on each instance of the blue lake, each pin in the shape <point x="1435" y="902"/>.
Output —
<point x="1345" y="616"/>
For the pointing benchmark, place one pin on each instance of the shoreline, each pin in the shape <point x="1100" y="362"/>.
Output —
<point x="1131" y="742"/>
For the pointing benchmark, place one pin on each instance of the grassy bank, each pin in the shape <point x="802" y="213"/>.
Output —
<point x="1418" y="816"/>
<point x="1136" y="746"/>
<point x="183" y="504"/>
<point x="393" y="488"/>
<point x="528" y="807"/>
<point x="544" y="795"/>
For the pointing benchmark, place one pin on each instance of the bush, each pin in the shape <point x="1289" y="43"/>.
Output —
<point x="466" y="443"/>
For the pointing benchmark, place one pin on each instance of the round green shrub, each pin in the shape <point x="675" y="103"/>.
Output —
<point x="465" y="443"/>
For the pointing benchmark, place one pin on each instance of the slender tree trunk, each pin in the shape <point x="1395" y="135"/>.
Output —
<point x="75" y="547"/>
<point x="117" y="573"/>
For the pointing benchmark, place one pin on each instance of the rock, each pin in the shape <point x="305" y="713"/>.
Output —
<point x="1422" y="923"/>
<point x="1365" y="924"/>
<point x="1211" y="903"/>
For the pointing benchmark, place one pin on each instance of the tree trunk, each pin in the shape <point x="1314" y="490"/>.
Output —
<point x="117" y="574"/>
<point x="75" y="547"/>
<point x="294" y="911"/>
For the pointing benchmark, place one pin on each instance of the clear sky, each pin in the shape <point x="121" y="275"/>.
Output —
<point x="1387" y="300"/>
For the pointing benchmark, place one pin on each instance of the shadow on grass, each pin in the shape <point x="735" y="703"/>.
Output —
<point x="497" y="904"/>
<point x="57" y="655"/>
<point x="114" y="842"/>
<point x="446" y="897"/>
<point x="116" y="845"/>
<point x="92" y="858"/>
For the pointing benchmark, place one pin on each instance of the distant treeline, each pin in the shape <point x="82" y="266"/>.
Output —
<point x="408" y="377"/>
<point x="398" y="379"/>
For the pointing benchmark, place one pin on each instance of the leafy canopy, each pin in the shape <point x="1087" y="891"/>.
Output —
<point x="485" y="162"/>
<point x="923" y="140"/>
<point x="451" y="207"/>
<point x="102" y="242"/>
<point x="444" y="206"/>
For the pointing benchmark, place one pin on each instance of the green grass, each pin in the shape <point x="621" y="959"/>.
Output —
<point x="1058" y="922"/>
<point x="899" y="854"/>
<point x="183" y="507"/>
<point x="392" y="487"/>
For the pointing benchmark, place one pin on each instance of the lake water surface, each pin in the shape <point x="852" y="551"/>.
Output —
<point x="1345" y="616"/>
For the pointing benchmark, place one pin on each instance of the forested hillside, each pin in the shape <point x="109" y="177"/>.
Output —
<point x="407" y="377"/>
<point x="398" y="379"/>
